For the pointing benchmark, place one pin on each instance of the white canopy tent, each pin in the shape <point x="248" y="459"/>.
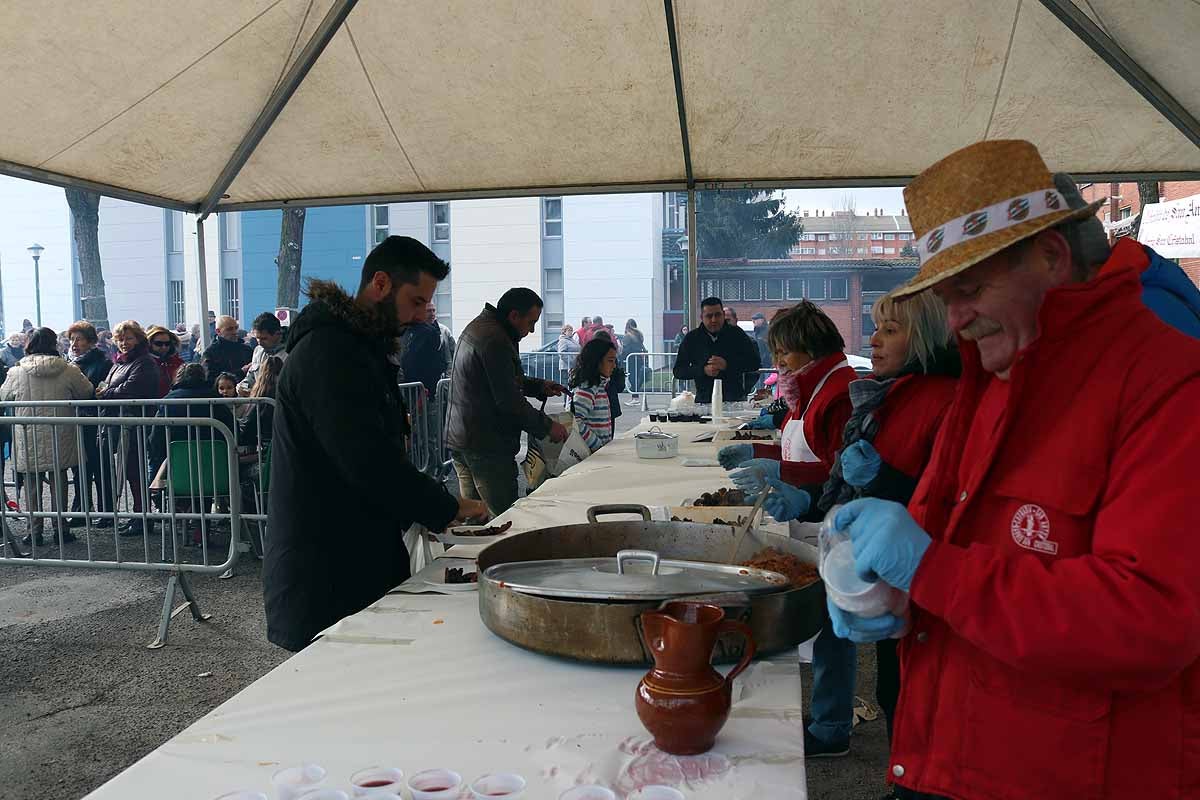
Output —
<point x="240" y="104"/>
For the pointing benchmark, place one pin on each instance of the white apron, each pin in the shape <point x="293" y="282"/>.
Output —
<point x="795" y="447"/>
<point x="793" y="442"/>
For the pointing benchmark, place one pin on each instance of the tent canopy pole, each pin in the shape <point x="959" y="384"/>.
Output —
<point x="329" y="26"/>
<point x="1130" y="71"/>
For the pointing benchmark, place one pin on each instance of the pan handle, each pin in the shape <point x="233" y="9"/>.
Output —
<point x="618" y="508"/>
<point x="732" y="626"/>
<point x="624" y="556"/>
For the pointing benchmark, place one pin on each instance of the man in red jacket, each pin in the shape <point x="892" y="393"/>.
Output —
<point x="1050" y="548"/>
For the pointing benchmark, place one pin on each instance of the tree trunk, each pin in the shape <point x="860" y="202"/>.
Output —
<point x="85" y="214"/>
<point x="291" y="243"/>
<point x="1147" y="194"/>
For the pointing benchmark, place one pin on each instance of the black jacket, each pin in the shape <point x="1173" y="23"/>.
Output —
<point x="342" y="488"/>
<point x="225" y="356"/>
<point x="94" y="365"/>
<point x="423" y="359"/>
<point x="733" y="345"/>
<point x="616" y="385"/>
<point x="488" y="409"/>
<point x="160" y="435"/>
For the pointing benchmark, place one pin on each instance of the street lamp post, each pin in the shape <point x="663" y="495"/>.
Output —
<point x="35" y="250"/>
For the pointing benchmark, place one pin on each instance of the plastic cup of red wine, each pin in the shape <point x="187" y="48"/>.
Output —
<point x="377" y="780"/>
<point x="498" y="784"/>
<point x="435" y="784"/>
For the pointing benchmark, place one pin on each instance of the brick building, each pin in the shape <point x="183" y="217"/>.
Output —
<point x="844" y="288"/>
<point x="1120" y="213"/>
<point x="842" y="235"/>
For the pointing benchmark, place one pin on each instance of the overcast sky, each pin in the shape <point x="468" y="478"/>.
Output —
<point x="891" y="200"/>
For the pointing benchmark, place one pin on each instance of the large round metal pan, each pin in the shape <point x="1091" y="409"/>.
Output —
<point x="608" y="631"/>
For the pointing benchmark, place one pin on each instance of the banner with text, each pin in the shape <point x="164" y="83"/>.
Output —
<point x="1172" y="229"/>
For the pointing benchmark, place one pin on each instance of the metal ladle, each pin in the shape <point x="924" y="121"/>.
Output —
<point x="740" y="533"/>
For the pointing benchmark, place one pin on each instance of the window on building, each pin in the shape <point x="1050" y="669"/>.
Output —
<point x="891" y="237"/>
<point x="176" y="311"/>
<point x="773" y="289"/>
<point x="230" y="230"/>
<point x="822" y="237"/>
<point x="833" y="237"/>
<point x="904" y="237"/>
<point x="862" y="237"/>
<point x="675" y="210"/>
<point x="833" y="251"/>
<point x="441" y="222"/>
<point x="174" y="231"/>
<point x="231" y="298"/>
<point x="710" y="288"/>
<point x="752" y="289"/>
<point x="877" y="250"/>
<point x="552" y="213"/>
<point x="877" y="237"/>
<point x="868" y="322"/>
<point x="1126" y="212"/>
<point x="808" y="251"/>
<point x="820" y="251"/>
<point x="731" y="290"/>
<point x="379" y="222"/>
<point x="816" y="289"/>
<point x="839" y="289"/>
<point x="891" y="251"/>
<point x="862" y="251"/>
<point x="795" y="289"/>
<point x="808" y="237"/>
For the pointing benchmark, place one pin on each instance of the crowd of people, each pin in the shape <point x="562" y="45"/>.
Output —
<point x="131" y="363"/>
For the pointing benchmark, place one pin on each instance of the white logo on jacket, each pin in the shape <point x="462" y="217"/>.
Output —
<point x="1031" y="529"/>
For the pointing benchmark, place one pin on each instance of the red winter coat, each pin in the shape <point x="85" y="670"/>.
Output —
<point x="909" y="419"/>
<point x="824" y="422"/>
<point x="167" y="367"/>
<point x="1056" y="622"/>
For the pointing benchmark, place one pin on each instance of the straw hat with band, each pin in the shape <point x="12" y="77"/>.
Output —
<point x="978" y="201"/>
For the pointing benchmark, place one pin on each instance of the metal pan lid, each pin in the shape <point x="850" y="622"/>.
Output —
<point x="655" y="433"/>
<point x="631" y="575"/>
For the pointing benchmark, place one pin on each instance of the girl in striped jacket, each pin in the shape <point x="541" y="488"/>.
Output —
<point x="589" y="380"/>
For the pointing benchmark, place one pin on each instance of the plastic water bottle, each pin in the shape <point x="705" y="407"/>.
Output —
<point x="718" y="399"/>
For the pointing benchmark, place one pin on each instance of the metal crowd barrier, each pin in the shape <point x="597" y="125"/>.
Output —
<point x="423" y="436"/>
<point x="545" y="365"/>
<point x="166" y="487"/>
<point x="652" y="374"/>
<point x="441" y="405"/>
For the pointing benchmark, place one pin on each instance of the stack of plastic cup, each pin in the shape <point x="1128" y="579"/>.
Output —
<point x="843" y="585"/>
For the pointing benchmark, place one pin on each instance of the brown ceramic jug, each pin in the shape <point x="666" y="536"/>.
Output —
<point x="683" y="701"/>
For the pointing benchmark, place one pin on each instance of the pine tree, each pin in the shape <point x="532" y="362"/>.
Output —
<point x="745" y="223"/>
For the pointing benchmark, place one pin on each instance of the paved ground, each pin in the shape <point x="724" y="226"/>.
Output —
<point x="82" y="698"/>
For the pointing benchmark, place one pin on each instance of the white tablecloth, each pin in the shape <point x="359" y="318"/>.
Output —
<point x="416" y="681"/>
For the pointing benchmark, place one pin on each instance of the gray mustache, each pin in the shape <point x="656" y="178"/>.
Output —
<point x="980" y="328"/>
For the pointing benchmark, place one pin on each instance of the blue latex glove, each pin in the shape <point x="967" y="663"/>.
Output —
<point x="856" y="629"/>
<point x="860" y="463"/>
<point x="888" y="543"/>
<point x="786" y="502"/>
<point x="732" y="455"/>
<point x="751" y="477"/>
<point x="763" y="422"/>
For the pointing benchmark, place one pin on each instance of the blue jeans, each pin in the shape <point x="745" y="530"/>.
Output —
<point x="835" y="663"/>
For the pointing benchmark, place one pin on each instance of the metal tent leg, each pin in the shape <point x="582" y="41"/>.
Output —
<point x="181" y="581"/>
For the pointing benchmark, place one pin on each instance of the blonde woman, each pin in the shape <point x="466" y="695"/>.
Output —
<point x="887" y="442"/>
<point x="134" y="376"/>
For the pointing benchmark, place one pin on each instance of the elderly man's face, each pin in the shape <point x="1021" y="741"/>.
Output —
<point x="995" y="303"/>
<point x="431" y="313"/>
